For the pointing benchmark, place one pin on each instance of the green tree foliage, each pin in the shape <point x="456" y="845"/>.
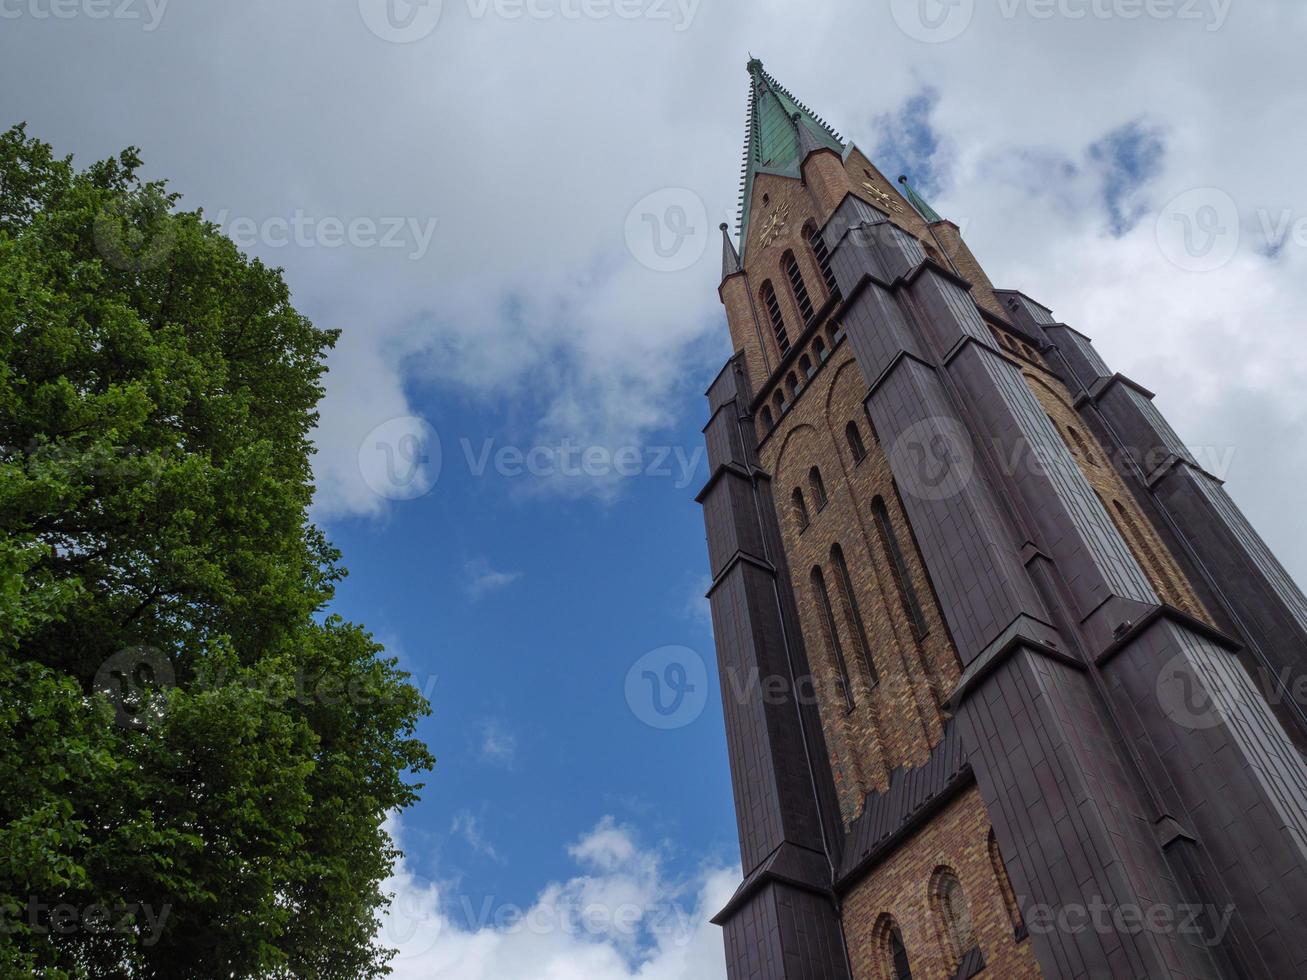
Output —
<point x="195" y="759"/>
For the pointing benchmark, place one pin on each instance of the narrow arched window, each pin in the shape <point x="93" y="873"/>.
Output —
<point x="801" y="298"/>
<point x="777" y="319"/>
<point x="800" y="508"/>
<point x="805" y="365"/>
<point x="767" y="420"/>
<point x="793" y="385"/>
<point x="899" y="566"/>
<point x="1005" y="887"/>
<point x="1082" y="445"/>
<point x="778" y="400"/>
<point x="852" y="612"/>
<point x="953" y="912"/>
<point x="822" y="596"/>
<point x="1131" y="530"/>
<point x="819" y="348"/>
<point x="856" y="446"/>
<point x="822" y="256"/>
<point x="818" y="487"/>
<point x="899" y="967"/>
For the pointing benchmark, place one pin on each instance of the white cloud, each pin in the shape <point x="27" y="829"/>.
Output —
<point x="482" y="580"/>
<point x="529" y="299"/>
<point x="496" y="744"/>
<point x="621" y="917"/>
<point x="468" y="827"/>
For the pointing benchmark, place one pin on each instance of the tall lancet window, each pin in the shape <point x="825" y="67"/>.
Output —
<point x="798" y="287"/>
<point x="899" y="566"/>
<point x="822" y="595"/>
<point x="777" y="320"/>
<point x="953" y="912"/>
<point x="822" y="254"/>
<point x="853" y="612"/>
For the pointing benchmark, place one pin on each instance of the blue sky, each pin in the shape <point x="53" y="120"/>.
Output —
<point x="516" y="152"/>
<point x="531" y="726"/>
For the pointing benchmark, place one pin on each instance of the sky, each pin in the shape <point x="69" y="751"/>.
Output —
<point x="509" y="207"/>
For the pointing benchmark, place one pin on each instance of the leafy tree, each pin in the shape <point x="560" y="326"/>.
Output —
<point x="195" y="759"/>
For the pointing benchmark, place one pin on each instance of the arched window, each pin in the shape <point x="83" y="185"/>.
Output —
<point x="800" y="508"/>
<point x="818" y="487"/>
<point x="767" y="420"/>
<point x="777" y="320"/>
<point x="822" y="595"/>
<point x="1131" y="530"/>
<point x="900" y="969"/>
<point x="856" y="445"/>
<point x="898" y="565"/>
<point x="792" y="385"/>
<point x="953" y="913"/>
<point x="819" y="348"/>
<point x="822" y="255"/>
<point x="834" y="333"/>
<point x="851" y="611"/>
<point x="797" y="286"/>
<point x="805" y="366"/>
<point x="893" y="954"/>
<point x="1082" y="444"/>
<point x="1005" y="888"/>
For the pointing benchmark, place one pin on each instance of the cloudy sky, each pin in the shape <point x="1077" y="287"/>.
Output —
<point x="509" y="207"/>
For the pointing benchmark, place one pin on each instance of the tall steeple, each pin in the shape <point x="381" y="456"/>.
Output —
<point x="730" y="257"/>
<point x="918" y="202"/>
<point x="781" y="132"/>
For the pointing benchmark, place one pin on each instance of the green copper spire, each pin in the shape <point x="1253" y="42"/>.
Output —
<point x="782" y="131"/>
<point x="918" y="202"/>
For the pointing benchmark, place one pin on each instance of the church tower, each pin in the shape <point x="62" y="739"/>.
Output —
<point x="1007" y="676"/>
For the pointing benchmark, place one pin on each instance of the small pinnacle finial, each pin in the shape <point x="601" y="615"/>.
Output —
<point x="903" y="179"/>
<point x="723" y="226"/>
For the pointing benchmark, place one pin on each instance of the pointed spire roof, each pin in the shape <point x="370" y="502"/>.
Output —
<point x="918" y="202"/>
<point x="782" y="131"/>
<point x="730" y="257"/>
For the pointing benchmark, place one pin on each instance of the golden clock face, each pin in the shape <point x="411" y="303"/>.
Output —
<point x="882" y="198"/>
<point x="774" y="226"/>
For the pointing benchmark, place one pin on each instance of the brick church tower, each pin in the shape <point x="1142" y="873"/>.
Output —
<point x="1006" y="674"/>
